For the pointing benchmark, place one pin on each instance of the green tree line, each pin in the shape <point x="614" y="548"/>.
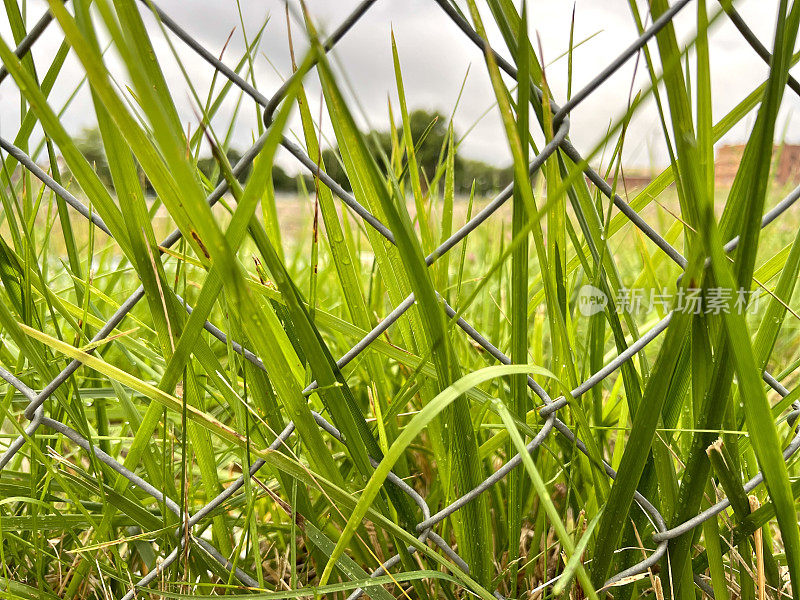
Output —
<point x="428" y="129"/>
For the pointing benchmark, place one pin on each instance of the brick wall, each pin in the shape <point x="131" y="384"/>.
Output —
<point x="785" y="164"/>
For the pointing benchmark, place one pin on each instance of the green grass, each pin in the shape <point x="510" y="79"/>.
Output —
<point x="300" y="280"/>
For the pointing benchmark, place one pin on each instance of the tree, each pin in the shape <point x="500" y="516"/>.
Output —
<point x="208" y="166"/>
<point x="429" y="132"/>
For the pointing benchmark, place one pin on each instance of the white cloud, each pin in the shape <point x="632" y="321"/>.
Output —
<point x="434" y="56"/>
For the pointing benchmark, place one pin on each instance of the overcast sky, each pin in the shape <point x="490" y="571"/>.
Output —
<point x="435" y="57"/>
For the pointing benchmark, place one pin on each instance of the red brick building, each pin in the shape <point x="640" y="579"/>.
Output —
<point x="785" y="164"/>
<point x="631" y="179"/>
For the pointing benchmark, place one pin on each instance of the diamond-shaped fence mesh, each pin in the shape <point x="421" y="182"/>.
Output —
<point x="35" y="411"/>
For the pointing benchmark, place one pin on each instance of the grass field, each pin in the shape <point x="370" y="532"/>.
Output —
<point x="163" y="416"/>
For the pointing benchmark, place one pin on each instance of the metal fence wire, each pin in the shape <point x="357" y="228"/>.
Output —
<point x="35" y="410"/>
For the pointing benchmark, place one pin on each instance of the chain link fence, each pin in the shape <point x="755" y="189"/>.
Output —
<point x="35" y="410"/>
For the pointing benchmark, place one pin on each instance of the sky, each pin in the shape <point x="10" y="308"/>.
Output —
<point x="436" y="59"/>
